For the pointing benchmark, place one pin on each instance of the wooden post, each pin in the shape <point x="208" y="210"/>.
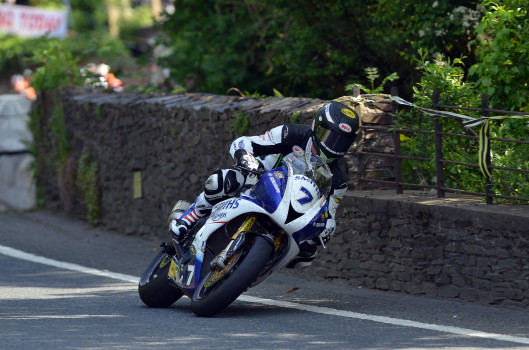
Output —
<point x="439" y="167"/>
<point x="113" y="18"/>
<point x="156" y="9"/>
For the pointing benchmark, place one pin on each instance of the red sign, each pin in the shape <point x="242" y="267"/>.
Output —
<point x="29" y="21"/>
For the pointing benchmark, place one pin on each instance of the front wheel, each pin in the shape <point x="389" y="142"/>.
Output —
<point x="154" y="287"/>
<point x="212" y="296"/>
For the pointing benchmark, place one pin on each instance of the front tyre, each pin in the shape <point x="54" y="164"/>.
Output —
<point x="208" y="301"/>
<point x="154" y="287"/>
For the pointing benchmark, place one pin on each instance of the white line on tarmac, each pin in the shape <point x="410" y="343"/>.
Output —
<point x="317" y="309"/>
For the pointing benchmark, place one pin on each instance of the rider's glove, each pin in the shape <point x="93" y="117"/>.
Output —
<point x="327" y="233"/>
<point x="179" y="228"/>
<point x="246" y="160"/>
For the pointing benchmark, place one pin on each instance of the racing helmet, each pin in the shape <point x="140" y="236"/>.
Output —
<point x="334" y="130"/>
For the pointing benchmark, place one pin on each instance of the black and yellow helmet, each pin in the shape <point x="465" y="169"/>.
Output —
<point x="334" y="130"/>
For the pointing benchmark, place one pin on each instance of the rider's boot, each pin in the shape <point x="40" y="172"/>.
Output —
<point x="181" y="225"/>
<point x="307" y="253"/>
<point x="221" y="185"/>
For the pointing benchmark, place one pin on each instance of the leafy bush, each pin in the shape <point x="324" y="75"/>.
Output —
<point x="503" y="51"/>
<point x="372" y="75"/>
<point x="446" y="76"/>
<point x="307" y="48"/>
<point x="87" y="181"/>
<point x="57" y="67"/>
<point x="14" y="52"/>
<point x="449" y="78"/>
<point x="240" y="124"/>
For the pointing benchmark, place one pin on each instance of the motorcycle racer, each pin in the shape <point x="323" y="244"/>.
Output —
<point x="331" y="134"/>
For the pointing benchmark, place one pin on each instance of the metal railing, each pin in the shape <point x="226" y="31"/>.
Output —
<point x="437" y="157"/>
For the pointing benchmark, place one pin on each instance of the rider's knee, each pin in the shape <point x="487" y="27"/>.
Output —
<point x="223" y="184"/>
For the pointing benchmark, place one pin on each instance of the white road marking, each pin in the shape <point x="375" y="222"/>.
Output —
<point x="64" y="265"/>
<point x="310" y="308"/>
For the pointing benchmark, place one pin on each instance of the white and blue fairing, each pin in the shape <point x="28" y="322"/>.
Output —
<point x="293" y="196"/>
<point x="298" y="206"/>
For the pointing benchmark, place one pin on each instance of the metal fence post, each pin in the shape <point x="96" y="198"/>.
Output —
<point x="360" y="141"/>
<point x="396" y="146"/>
<point x="439" y="167"/>
<point x="488" y="182"/>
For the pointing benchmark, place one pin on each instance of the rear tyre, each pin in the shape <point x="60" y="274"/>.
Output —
<point x="154" y="288"/>
<point x="210" y="300"/>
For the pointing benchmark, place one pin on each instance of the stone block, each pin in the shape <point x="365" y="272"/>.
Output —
<point x="433" y="270"/>
<point x="412" y="288"/>
<point x="469" y="294"/>
<point x="382" y="283"/>
<point x="429" y="289"/>
<point x="448" y="291"/>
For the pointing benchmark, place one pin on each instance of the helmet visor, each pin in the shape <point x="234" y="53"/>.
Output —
<point x="333" y="144"/>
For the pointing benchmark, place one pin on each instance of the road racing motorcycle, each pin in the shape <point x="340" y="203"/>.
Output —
<point x="244" y="239"/>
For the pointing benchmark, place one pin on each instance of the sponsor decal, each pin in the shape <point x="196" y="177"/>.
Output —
<point x="266" y="136"/>
<point x="166" y="260"/>
<point x="318" y="224"/>
<point x="331" y="151"/>
<point x="274" y="183"/>
<point x="177" y="206"/>
<point x="349" y="113"/>
<point x="218" y="216"/>
<point x="241" y="144"/>
<point x="345" y="127"/>
<point x="231" y="204"/>
<point x="303" y="178"/>
<point x="328" y="114"/>
<point x="297" y="149"/>
<point x="249" y="223"/>
<point x="278" y="175"/>
<point x="192" y="250"/>
<point x="277" y="242"/>
<point x="173" y="270"/>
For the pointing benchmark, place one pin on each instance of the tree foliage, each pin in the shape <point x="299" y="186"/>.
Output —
<point x="503" y="51"/>
<point x="308" y="48"/>
<point x="449" y="78"/>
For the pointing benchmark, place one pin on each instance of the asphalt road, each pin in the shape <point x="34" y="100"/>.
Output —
<point x="46" y="304"/>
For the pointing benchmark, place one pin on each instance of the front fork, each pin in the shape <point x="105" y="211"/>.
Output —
<point x="235" y="243"/>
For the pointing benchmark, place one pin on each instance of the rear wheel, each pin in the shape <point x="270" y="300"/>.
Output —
<point x="219" y="288"/>
<point x="154" y="288"/>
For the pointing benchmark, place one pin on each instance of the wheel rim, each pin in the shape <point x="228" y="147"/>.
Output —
<point x="214" y="278"/>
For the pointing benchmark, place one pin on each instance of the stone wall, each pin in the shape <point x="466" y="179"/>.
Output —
<point x="412" y="244"/>
<point x="456" y="247"/>
<point x="175" y="141"/>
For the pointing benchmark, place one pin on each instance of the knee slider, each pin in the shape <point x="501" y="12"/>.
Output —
<point x="233" y="182"/>
<point x="222" y="184"/>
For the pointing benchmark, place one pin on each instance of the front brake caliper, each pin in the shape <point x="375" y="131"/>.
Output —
<point x="220" y="260"/>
